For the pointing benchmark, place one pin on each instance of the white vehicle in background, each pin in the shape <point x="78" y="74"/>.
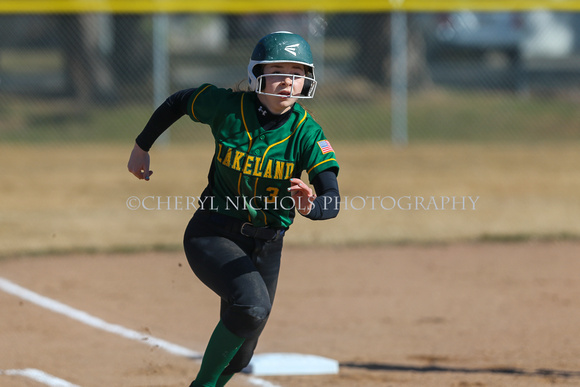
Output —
<point x="548" y="35"/>
<point x="522" y="35"/>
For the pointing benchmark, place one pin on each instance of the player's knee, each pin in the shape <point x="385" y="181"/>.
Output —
<point x="246" y="320"/>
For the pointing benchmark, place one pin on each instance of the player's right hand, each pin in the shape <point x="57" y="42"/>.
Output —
<point x="302" y="195"/>
<point x="139" y="163"/>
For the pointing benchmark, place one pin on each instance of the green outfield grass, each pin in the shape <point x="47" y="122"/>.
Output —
<point x="433" y="116"/>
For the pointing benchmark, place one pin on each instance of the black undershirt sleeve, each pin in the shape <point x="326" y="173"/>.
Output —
<point x="174" y="107"/>
<point x="327" y="203"/>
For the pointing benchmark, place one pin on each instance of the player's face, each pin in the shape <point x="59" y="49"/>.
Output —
<point x="283" y="86"/>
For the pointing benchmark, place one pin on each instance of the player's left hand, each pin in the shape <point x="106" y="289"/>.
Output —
<point x="302" y="196"/>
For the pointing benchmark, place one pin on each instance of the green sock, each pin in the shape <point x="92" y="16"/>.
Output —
<point x="220" y="350"/>
<point x="223" y="379"/>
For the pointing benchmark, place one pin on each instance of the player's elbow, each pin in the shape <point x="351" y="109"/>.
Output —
<point x="335" y="208"/>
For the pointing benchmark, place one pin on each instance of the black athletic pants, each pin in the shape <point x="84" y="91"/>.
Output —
<point x="241" y="270"/>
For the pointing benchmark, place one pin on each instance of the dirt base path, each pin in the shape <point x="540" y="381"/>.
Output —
<point x="449" y="315"/>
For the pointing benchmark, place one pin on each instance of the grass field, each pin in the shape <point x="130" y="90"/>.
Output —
<point x="65" y="185"/>
<point x="67" y="198"/>
<point x="434" y="116"/>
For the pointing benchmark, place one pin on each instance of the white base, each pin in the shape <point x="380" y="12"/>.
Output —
<point x="291" y="364"/>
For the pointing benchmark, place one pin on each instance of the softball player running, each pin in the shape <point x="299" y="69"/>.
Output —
<point x="264" y="140"/>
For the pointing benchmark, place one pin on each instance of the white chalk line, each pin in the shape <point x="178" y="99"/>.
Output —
<point x="75" y="314"/>
<point x="81" y="316"/>
<point x="39" y="376"/>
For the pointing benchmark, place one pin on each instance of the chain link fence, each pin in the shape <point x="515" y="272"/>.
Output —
<point x="468" y="76"/>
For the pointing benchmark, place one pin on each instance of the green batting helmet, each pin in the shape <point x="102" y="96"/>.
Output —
<point x="282" y="46"/>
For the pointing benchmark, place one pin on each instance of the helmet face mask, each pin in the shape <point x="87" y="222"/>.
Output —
<point x="282" y="47"/>
<point x="307" y="90"/>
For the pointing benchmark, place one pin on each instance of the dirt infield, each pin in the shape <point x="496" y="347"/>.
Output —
<point x="441" y="315"/>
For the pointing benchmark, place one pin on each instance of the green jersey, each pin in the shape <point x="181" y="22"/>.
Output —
<point x="251" y="166"/>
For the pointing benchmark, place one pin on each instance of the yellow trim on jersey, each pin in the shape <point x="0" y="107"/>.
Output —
<point x="281" y="141"/>
<point x="247" y="153"/>
<point x="244" y="121"/>
<point x="249" y="146"/>
<point x="193" y="102"/>
<point x="322" y="162"/>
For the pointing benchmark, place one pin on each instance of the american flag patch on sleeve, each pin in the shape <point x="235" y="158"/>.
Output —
<point x="325" y="146"/>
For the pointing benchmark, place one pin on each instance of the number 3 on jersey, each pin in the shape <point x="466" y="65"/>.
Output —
<point x="273" y="191"/>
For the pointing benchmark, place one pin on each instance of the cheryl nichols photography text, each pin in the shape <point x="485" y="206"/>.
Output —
<point x="349" y="203"/>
